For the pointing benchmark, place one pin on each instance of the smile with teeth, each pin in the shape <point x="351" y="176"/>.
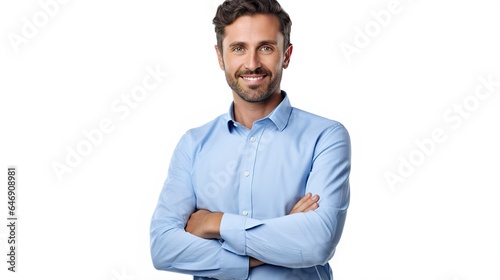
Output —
<point x="253" y="78"/>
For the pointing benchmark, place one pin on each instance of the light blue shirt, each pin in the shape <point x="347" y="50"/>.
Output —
<point x="255" y="177"/>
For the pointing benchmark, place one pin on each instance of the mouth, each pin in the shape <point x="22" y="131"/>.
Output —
<point x="253" y="79"/>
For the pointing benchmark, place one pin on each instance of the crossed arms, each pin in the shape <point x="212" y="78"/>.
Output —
<point x="206" y="224"/>
<point x="224" y="245"/>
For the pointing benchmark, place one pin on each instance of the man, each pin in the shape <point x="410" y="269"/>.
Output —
<point x="262" y="191"/>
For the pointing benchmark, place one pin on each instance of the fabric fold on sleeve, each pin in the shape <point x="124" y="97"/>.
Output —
<point x="233" y="231"/>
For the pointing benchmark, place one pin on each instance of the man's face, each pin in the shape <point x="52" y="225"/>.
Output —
<point x="253" y="57"/>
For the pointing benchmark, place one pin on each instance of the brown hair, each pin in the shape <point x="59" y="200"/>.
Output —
<point x="230" y="10"/>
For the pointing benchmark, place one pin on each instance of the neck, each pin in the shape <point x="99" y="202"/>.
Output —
<point x="247" y="113"/>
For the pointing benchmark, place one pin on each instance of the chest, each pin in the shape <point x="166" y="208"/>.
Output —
<point x="260" y="175"/>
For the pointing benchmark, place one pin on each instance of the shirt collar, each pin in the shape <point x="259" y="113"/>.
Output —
<point x="279" y="116"/>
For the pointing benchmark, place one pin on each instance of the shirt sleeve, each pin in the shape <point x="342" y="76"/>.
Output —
<point x="174" y="249"/>
<point x="301" y="239"/>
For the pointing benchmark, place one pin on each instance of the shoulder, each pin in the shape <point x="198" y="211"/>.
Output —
<point x="200" y="133"/>
<point x="331" y="136"/>
<point x="309" y="121"/>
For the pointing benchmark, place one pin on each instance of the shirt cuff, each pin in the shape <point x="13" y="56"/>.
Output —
<point x="233" y="232"/>
<point x="234" y="266"/>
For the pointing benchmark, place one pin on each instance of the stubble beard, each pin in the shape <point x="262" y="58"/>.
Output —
<point x="254" y="93"/>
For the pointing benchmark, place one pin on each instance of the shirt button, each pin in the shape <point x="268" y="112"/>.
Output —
<point x="245" y="213"/>
<point x="252" y="139"/>
<point x="247" y="173"/>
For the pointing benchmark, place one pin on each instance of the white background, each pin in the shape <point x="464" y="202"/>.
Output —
<point x="441" y="223"/>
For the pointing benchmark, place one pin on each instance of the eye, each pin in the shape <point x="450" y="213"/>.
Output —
<point x="237" y="49"/>
<point x="266" y="49"/>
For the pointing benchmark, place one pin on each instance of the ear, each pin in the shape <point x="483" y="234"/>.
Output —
<point x="219" y="57"/>
<point x="288" y="55"/>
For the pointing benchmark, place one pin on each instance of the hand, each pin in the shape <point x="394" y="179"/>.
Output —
<point x="199" y="224"/>
<point x="204" y="224"/>
<point x="307" y="203"/>
<point x="255" y="262"/>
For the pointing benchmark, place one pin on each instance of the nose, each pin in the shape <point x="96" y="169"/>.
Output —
<point x="252" y="61"/>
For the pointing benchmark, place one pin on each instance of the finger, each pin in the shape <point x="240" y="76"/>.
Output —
<point x="307" y="203"/>
<point x="311" y="204"/>
<point x="297" y="207"/>
<point x="313" y="207"/>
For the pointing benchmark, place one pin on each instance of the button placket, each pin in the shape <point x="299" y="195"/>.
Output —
<point x="249" y="157"/>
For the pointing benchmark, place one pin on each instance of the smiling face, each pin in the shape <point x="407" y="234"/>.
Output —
<point x="253" y="57"/>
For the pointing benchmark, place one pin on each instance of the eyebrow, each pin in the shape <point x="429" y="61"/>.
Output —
<point x="265" y="42"/>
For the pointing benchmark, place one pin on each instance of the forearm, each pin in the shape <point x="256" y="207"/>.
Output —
<point x="294" y="241"/>
<point x="298" y="240"/>
<point x="206" y="224"/>
<point x="175" y="250"/>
